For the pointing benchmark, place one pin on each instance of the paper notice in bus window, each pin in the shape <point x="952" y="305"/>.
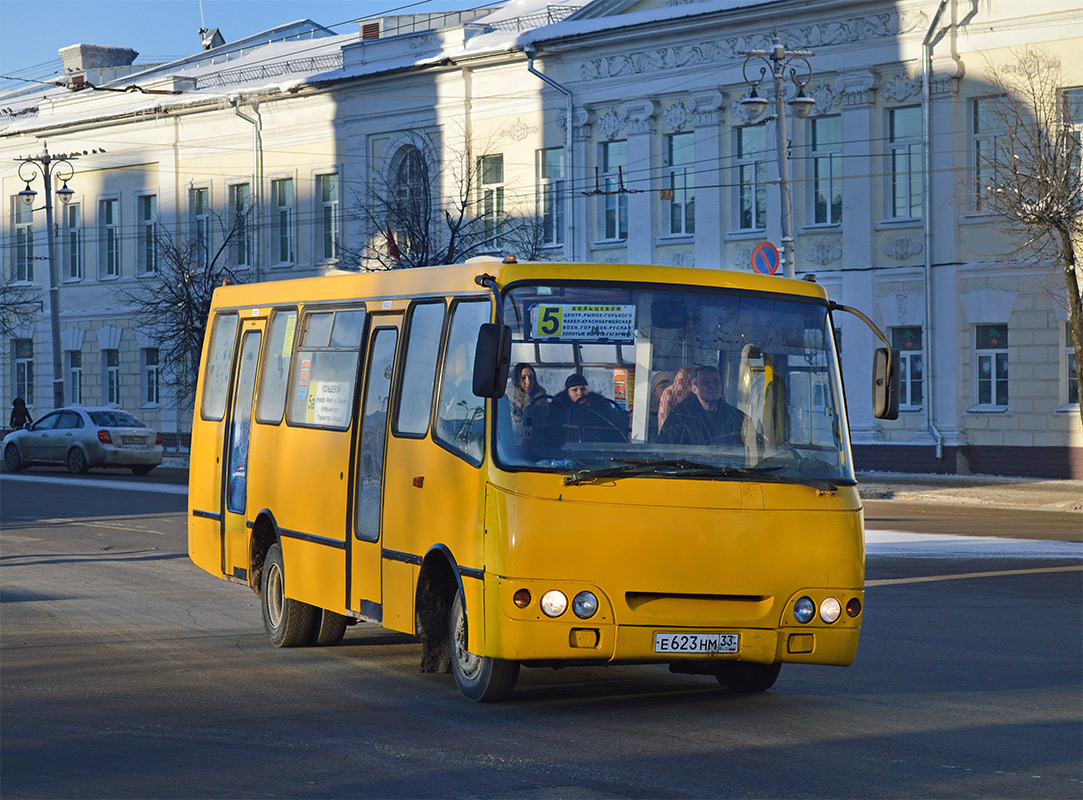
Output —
<point x="302" y="378"/>
<point x="328" y="404"/>
<point x="287" y="339"/>
<point x="584" y="323"/>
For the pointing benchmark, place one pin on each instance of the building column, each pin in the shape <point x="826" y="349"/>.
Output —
<point x="638" y="177"/>
<point x="709" y="246"/>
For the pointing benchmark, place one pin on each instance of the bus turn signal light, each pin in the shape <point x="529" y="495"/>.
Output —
<point x="521" y="598"/>
<point x="853" y="607"/>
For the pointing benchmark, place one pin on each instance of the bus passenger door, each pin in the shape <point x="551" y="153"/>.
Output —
<point x="235" y="557"/>
<point x="366" y="590"/>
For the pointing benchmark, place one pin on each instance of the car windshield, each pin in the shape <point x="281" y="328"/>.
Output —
<point x="114" y="419"/>
<point x="691" y="382"/>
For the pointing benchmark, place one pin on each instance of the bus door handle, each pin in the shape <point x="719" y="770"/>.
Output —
<point x="419" y="481"/>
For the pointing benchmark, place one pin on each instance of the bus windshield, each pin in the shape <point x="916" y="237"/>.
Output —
<point x="696" y="382"/>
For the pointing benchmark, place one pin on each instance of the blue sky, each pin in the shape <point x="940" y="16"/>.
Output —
<point x="31" y="31"/>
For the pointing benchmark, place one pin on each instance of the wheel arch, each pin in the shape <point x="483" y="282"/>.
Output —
<point x="264" y="535"/>
<point x="438" y="582"/>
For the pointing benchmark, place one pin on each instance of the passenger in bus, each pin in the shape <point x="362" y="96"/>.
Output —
<point x="525" y="392"/>
<point x="585" y="416"/>
<point x="704" y="417"/>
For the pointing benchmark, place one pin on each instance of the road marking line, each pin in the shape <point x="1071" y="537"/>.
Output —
<point x="962" y="576"/>
<point x="106" y="483"/>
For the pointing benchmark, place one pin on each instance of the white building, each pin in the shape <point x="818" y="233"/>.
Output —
<point x="558" y="109"/>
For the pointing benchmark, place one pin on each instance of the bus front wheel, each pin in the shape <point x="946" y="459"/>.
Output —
<point x="289" y="623"/>
<point x="481" y="679"/>
<point x="746" y="676"/>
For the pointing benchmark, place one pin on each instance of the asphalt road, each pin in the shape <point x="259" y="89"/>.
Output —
<point x="128" y="672"/>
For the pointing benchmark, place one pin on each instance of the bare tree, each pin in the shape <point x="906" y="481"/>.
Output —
<point x="175" y="307"/>
<point x="19" y="303"/>
<point x="406" y="221"/>
<point x="1031" y="178"/>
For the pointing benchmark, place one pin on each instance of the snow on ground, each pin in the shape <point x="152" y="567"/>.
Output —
<point x="934" y="545"/>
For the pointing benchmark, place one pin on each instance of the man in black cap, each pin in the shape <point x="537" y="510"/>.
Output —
<point x="588" y="417"/>
<point x="704" y="417"/>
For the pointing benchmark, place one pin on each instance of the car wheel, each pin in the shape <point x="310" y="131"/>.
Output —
<point x="289" y="622"/>
<point x="142" y="470"/>
<point x="328" y="628"/>
<point x="746" y="676"/>
<point x="480" y="678"/>
<point x="13" y="461"/>
<point x="76" y="461"/>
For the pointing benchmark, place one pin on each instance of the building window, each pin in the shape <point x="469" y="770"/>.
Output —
<point x="282" y="221"/>
<point x="24" y="370"/>
<point x="148" y="233"/>
<point x="109" y="238"/>
<point x="1070" y="362"/>
<point x="908" y="342"/>
<point x="327" y="187"/>
<point x="71" y="242"/>
<point x="986" y="148"/>
<point x="240" y="242"/>
<point x="1072" y="115"/>
<point x="75" y="377"/>
<point x="826" y="133"/>
<point x="111" y="377"/>
<point x="24" y="241"/>
<point x="149" y="358"/>
<point x="199" y="215"/>
<point x="992" y="365"/>
<point x="679" y="194"/>
<point x="752" y="178"/>
<point x="491" y="198"/>
<point x="906" y="177"/>
<point x="550" y="197"/>
<point x="613" y="160"/>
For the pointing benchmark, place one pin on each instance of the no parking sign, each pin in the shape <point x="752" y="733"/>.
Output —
<point x="765" y="258"/>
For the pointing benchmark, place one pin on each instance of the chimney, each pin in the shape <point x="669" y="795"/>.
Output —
<point x="83" y="57"/>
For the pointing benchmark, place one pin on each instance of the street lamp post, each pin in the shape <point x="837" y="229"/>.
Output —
<point x="777" y="60"/>
<point x="49" y="165"/>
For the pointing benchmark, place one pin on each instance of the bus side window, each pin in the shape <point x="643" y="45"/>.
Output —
<point x="324" y="369"/>
<point x="274" y="378"/>
<point x="219" y="362"/>
<point x="426" y="324"/>
<point x="460" y="422"/>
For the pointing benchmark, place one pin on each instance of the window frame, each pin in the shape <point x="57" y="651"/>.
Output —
<point x="110" y="377"/>
<point x="683" y="173"/>
<point x="1068" y="365"/>
<point x="150" y="372"/>
<point x="449" y="321"/>
<point x="22" y="268"/>
<point x="549" y="197"/>
<point x="24" y="383"/>
<point x="109" y="249"/>
<point x="240" y="246"/>
<point x="407" y="341"/>
<point x="613" y="202"/>
<point x="907" y="379"/>
<point x="199" y="220"/>
<point x="146" y="248"/>
<point x="910" y="148"/>
<point x="283" y="221"/>
<point x="831" y="156"/>
<point x="264" y="370"/>
<point x="993" y="355"/>
<point x="301" y="346"/>
<point x="754" y="190"/>
<point x="71" y="242"/>
<point x="328" y="215"/>
<point x="491" y="198"/>
<point x="74" y="361"/>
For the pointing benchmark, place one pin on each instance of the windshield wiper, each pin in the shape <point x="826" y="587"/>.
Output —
<point x="630" y="467"/>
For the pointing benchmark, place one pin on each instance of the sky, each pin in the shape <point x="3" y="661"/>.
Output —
<point x="32" y="31"/>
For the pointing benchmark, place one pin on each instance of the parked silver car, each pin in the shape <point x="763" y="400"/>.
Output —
<point x="83" y="438"/>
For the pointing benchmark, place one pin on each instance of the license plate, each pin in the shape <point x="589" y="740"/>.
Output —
<point x="131" y="440"/>
<point x="696" y="642"/>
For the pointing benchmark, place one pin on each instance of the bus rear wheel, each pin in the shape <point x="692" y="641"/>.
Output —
<point x="328" y="628"/>
<point x="480" y="678"/>
<point x="289" y="623"/>
<point x="746" y="676"/>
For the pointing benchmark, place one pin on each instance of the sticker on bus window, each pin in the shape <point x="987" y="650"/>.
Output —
<point x="603" y="323"/>
<point x="287" y="339"/>
<point x="328" y="404"/>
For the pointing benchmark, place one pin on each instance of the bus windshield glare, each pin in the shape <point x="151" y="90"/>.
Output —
<point x="692" y="382"/>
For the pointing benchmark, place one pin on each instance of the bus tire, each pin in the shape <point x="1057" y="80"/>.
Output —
<point x="746" y="676"/>
<point x="289" y="623"/>
<point x="480" y="678"/>
<point x="328" y="628"/>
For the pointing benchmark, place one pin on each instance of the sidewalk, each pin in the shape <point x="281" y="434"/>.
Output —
<point x="987" y="491"/>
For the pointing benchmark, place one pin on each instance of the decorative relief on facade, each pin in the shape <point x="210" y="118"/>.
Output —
<point x="709" y="108"/>
<point x="581" y="122"/>
<point x="517" y="130"/>
<point x="826" y="98"/>
<point x="612" y="123"/>
<point x="823" y="254"/>
<point x="681" y="260"/>
<point x="900" y="88"/>
<point x="742" y="258"/>
<point x="902" y="249"/>
<point x="109" y="337"/>
<point x="902" y="308"/>
<point x="679" y="114"/>
<point x="855" y="29"/>
<point x="639" y="116"/>
<point x="987" y="305"/>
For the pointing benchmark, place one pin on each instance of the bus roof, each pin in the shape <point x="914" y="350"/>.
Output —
<point x="459" y="279"/>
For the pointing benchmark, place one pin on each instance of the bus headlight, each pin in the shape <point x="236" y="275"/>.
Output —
<point x="830" y="610"/>
<point x="554" y="603"/>
<point x="804" y="610"/>
<point x="585" y="605"/>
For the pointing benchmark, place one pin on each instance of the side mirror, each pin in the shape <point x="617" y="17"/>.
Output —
<point x="491" y="360"/>
<point x="886" y="370"/>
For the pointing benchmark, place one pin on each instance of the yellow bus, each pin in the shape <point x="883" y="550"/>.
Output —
<point x="537" y="464"/>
